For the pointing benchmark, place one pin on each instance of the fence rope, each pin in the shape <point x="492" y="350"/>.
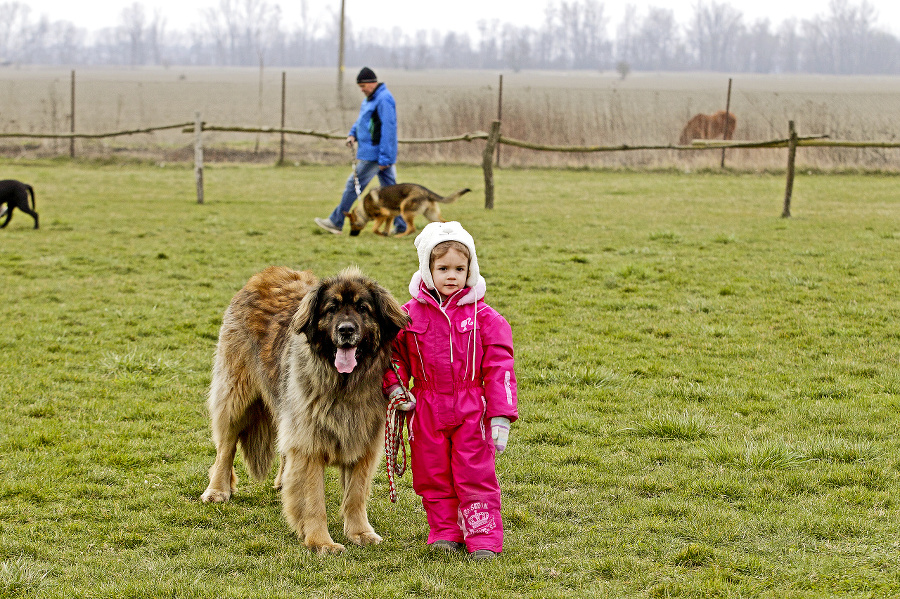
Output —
<point x="697" y="144"/>
<point x="95" y="135"/>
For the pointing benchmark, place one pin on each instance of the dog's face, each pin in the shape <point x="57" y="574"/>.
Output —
<point x="348" y="319"/>
<point x="356" y="223"/>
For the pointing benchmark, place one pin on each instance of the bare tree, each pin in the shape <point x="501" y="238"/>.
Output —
<point x="455" y="50"/>
<point x="712" y="33"/>
<point x="838" y="43"/>
<point x="788" y="47"/>
<point x="626" y="33"/>
<point x="132" y="21"/>
<point x="243" y="30"/>
<point x="54" y="42"/>
<point x="517" y="44"/>
<point x="12" y="26"/>
<point x="656" y="43"/>
<point x="488" y="48"/>
<point x="758" y="48"/>
<point x="580" y="27"/>
<point x="156" y="34"/>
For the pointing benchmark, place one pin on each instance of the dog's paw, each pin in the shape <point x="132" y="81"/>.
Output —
<point x="331" y="548"/>
<point x="365" y="538"/>
<point x="215" y="496"/>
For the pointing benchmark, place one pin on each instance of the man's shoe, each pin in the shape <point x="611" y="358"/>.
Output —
<point x="396" y="228"/>
<point x="326" y="224"/>
<point x="448" y="546"/>
<point x="482" y="554"/>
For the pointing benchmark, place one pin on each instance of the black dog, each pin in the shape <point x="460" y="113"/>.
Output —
<point x="14" y="194"/>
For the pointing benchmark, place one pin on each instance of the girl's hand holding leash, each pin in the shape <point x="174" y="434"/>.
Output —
<point x="500" y="432"/>
<point x="406" y="406"/>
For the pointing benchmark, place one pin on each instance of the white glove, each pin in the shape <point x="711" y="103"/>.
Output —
<point x="500" y="432"/>
<point x="406" y="406"/>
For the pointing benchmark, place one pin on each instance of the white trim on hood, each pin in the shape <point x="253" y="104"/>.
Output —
<point x="473" y="294"/>
<point x="438" y="232"/>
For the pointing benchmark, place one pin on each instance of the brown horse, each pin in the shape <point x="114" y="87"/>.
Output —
<point x="709" y="126"/>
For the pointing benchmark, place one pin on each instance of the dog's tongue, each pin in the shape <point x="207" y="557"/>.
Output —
<point x="345" y="360"/>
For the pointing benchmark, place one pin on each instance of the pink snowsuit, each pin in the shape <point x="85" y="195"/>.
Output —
<point x="449" y="431"/>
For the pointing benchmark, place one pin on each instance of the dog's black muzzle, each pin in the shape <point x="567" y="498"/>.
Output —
<point x="354" y="233"/>
<point x="347" y="334"/>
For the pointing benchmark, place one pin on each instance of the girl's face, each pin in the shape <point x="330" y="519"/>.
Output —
<point x="450" y="272"/>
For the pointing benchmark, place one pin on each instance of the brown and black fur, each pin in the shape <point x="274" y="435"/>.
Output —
<point x="405" y="199"/>
<point x="274" y="379"/>
<point x="14" y="194"/>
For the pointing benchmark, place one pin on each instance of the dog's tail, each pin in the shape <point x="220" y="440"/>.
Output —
<point x="257" y="440"/>
<point x="452" y="197"/>
<point x="31" y="191"/>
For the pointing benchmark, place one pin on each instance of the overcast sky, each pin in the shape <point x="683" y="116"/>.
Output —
<point x="455" y="15"/>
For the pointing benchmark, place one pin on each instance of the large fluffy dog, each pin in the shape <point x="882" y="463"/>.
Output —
<point x="720" y="125"/>
<point x="14" y="194"/>
<point x="405" y="199"/>
<point x="302" y="360"/>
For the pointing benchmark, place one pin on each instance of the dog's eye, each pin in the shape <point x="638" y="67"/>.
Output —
<point x="364" y="307"/>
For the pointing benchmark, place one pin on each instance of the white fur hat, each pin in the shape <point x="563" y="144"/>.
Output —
<point x="435" y="233"/>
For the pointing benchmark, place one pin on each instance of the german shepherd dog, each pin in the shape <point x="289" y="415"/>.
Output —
<point x="299" y="362"/>
<point x="14" y="194"/>
<point x="405" y="199"/>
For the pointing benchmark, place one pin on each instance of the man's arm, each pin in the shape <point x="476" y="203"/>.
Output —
<point x="387" y="147"/>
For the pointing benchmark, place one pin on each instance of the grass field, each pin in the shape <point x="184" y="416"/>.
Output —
<point x="566" y="108"/>
<point x="710" y="394"/>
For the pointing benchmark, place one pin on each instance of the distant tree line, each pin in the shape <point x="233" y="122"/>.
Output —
<point x="574" y="35"/>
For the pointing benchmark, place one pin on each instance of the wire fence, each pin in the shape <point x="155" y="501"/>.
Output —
<point x="493" y="140"/>
<point x="584" y="120"/>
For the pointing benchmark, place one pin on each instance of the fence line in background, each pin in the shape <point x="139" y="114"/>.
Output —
<point x="494" y="140"/>
<point x="73" y="136"/>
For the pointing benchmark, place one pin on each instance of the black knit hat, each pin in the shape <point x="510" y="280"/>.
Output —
<point x="366" y="75"/>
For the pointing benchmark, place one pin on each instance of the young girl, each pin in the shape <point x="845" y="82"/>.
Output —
<point x="458" y="353"/>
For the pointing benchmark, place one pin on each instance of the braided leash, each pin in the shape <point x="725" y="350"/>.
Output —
<point x="353" y="164"/>
<point x="393" y="437"/>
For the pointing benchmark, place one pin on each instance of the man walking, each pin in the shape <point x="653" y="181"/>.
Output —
<point x="375" y="131"/>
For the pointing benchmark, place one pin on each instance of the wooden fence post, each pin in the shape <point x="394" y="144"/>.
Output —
<point x="792" y="155"/>
<point x="487" y="162"/>
<point x="198" y="156"/>
<point x="72" y="121"/>
<point x="499" y="114"/>
<point x="727" y="114"/>
<point x="283" y="95"/>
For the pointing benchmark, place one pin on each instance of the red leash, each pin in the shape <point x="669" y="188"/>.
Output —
<point x="393" y="437"/>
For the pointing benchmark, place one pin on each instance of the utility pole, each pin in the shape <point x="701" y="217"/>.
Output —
<point x="340" y="77"/>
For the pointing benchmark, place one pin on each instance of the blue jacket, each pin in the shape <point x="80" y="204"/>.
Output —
<point x="376" y="128"/>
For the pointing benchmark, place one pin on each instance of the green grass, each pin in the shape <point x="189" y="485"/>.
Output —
<point x="710" y="394"/>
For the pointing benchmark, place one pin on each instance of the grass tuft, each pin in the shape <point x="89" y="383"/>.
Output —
<point x="694" y="556"/>
<point x="21" y="577"/>
<point x="686" y="426"/>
